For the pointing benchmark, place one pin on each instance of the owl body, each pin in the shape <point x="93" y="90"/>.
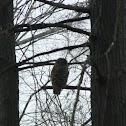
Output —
<point x="59" y="75"/>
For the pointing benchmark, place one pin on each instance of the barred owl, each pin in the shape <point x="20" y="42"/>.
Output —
<point x="59" y="75"/>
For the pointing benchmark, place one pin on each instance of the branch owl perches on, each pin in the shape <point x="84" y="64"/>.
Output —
<point x="59" y="75"/>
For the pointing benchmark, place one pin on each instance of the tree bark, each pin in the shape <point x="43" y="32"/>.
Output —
<point x="108" y="53"/>
<point x="8" y="69"/>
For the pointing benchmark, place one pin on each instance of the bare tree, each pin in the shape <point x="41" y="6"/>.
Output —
<point x="40" y="41"/>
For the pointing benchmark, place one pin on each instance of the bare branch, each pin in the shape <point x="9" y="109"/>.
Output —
<point x="43" y="64"/>
<point x="67" y="87"/>
<point x="69" y="7"/>
<point x="55" y="50"/>
<point x="48" y="87"/>
<point x="74" y="19"/>
<point x="85" y="123"/>
<point x="52" y="31"/>
<point x="41" y="35"/>
<point x="28" y="27"/>
<point x="78" y="91"/>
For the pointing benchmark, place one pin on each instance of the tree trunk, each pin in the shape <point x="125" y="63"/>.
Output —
<point x="8" y="71"/>
<point x="108" y="53"/>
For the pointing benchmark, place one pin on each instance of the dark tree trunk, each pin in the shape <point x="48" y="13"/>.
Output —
<point x="8" y="74"/>
<point x="108" y="52"/>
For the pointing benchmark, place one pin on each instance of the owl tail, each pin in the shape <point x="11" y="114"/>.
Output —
<point x="56" y="90"/>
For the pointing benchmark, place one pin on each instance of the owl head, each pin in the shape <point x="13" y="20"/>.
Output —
<point x="61" y="61"/>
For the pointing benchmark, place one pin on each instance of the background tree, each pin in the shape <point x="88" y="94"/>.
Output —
<point x="108" y="63"/>
<point x="8" y="70"/>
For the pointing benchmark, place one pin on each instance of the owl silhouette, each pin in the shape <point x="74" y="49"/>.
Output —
<point x="59" y="75"/>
